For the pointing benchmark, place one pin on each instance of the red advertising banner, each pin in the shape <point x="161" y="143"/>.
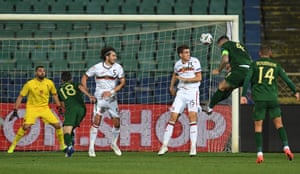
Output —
<point x="142" y="129"/>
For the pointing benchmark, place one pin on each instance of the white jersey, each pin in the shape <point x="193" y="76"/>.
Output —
<point x="187" y="70"/>
<point x="105" y="77"/>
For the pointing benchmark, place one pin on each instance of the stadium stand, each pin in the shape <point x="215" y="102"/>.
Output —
<point x="147" y="7"/>
<point x="252" y="27"/>
<point x="200" y="7"/>
<point x="217" y="7"/>
<point x="165" y="7"/>
<point x="282" y="31"/>
<point x="94" y="7"/>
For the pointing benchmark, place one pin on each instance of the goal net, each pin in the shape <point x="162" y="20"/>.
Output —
<point x="146" y="48"/>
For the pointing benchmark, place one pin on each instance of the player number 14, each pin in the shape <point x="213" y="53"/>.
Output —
<point x="268" y="75"/>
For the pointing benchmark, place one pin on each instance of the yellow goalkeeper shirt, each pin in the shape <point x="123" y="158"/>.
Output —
<point x="38" y="92"/>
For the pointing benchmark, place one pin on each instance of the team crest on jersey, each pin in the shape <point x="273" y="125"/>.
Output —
<point x="185" y="69"/>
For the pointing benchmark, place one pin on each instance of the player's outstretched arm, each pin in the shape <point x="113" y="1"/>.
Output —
<point x="173" y="81"/>
<point x="15" y="111"/>
<point x="121" y="85"/>
<point x="224" y="62"/>
<point x="84" y="90"/>
<point x="197" y="78"/>
<point x="18" y="102"/>
<point x="84" y="80"/>
<point x="56" y="100"/>
<point x="287" y="80"/>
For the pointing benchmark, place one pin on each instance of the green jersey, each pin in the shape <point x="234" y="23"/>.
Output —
<point x="237" y="53"/>
<point x="263" y="75"/>
<point x="71" y="95"/>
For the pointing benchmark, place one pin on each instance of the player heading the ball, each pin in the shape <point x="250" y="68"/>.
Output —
<point x="236" y="60"/>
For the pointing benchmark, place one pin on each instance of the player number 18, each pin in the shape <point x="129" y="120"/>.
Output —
<point x="69" y="89"/>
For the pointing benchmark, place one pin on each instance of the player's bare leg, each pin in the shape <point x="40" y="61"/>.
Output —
<point x="93" y="135"/>
<point x="168" y="133"/>
<point x="115" y="136"/>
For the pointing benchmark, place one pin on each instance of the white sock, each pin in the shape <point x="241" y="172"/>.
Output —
<point x="93" y="136"/>
<point x="115" y="135"/>
<point x="259" y="154"/>
<point x="193" y="133"/>
<point x="168" y="133"/>
<point x="286" y="148"/>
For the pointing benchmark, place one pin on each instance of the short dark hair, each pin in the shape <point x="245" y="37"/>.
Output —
<point x="66" y="76"/>
<point x="106" y="52"/>
<point x="38" y="67"/>
<point x="181" y="48"/>
<point x="222" y="37"/>
<point x="265" y="49"/>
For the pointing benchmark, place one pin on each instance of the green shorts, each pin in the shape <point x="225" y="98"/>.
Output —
<point x="260" y="108"/>
<point x="235" y="78"/>
<point x="75" y="116"/>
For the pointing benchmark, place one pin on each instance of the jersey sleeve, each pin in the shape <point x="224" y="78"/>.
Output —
<point x="248" y="79"/>
<point x="121" y="72"/>
<point x="91" y="71"/>
<point x="197" y="66"/>
<point x="286" y="79"/>
<point x="25" y="90"/>
<point x="53" y="90"/>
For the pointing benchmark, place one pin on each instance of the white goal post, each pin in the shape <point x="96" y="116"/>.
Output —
<point x="233" y="19"/>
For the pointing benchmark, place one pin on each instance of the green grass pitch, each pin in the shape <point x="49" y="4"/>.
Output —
<point x="146" y="163"/>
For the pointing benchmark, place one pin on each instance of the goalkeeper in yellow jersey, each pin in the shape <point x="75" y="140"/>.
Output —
<point x="263" y="75"/>
<point x="38" y="91"/>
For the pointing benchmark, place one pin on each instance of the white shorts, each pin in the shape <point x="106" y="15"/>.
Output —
<point x="111" y="106"/>
<point x="186" y="98"/>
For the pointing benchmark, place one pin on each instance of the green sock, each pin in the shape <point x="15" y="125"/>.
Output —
<point x="72" y="137"/>
<point x="259" y="141"/>
<point x="283" y="136"/>
<point x="219" y="96"/>
<point x="68" y="139"/>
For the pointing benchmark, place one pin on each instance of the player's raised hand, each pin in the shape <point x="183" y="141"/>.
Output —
<point x="244" y="100"/>
<point x="297" y="95"/>
<point x="228" y="67"/>
<point x="215" y="72"/>
<point x="13" y="115"/>
<point x="106" y="94"/>
<point x="93" y="99"/>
